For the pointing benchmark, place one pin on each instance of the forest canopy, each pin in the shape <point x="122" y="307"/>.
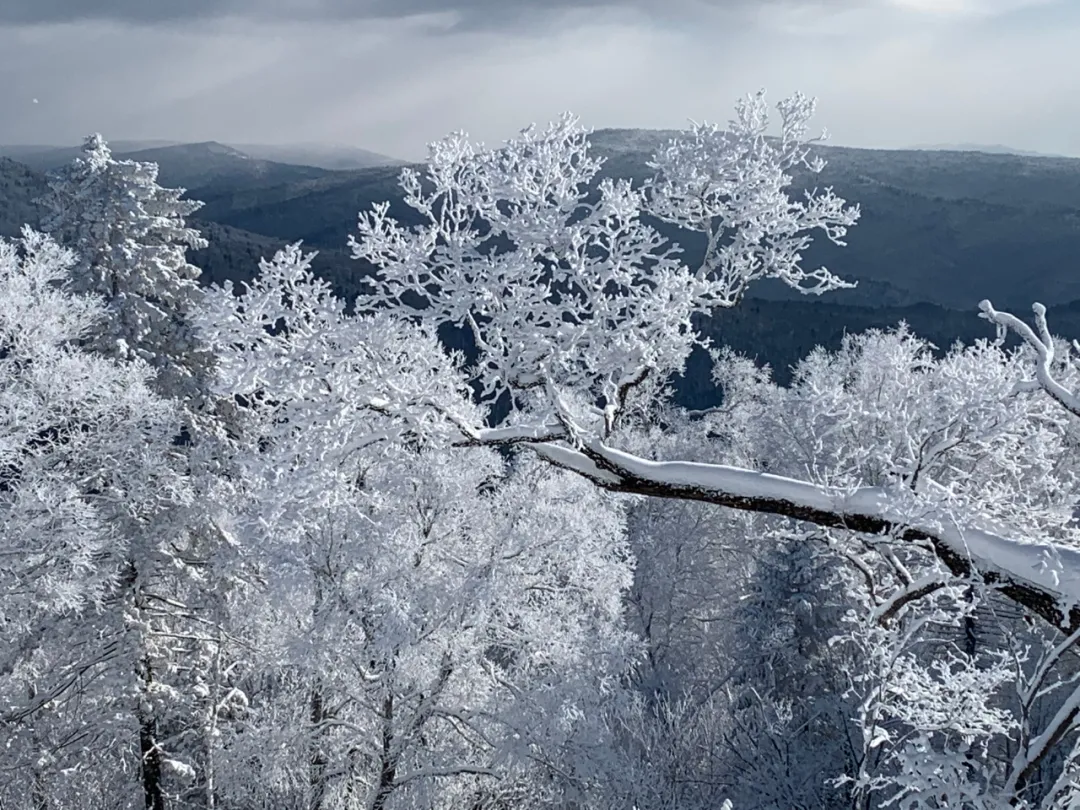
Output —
<point x="267" y="547"/>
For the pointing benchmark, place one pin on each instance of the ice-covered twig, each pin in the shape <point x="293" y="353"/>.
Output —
<point x="1042" y="343"/>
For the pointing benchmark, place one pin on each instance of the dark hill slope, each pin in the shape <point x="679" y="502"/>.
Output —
<point x="190" y="165"/>
<point x="945" y="227"/>
<point x="19" y="187"/>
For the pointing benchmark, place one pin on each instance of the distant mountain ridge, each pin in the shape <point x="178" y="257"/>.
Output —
<point x="312" y="156"/>
<point x="52" y="156"/>
<point x="213" y="164"/>
<point x="233" y="254"/>
<point x="334" y="157"/>
<point x="985" y="148"/>
<point x="939" y="231"/>
<point x="186" y="165"/>
<point x="945" y="227"/>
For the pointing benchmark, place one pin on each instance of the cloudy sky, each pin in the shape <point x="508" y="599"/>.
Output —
<point x="391" y="75"/>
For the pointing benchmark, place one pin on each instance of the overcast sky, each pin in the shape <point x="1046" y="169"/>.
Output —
<point x="391" y="75"/>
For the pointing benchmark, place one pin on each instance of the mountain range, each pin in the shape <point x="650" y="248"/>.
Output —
<point x="940" y="229"/>
<point x="988" y="148"/>
<point x="179" y="159"/>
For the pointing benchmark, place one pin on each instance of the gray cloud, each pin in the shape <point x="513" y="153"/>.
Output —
<point x="468" y="13"/>
<point x="888" y="72"/>
<point x="456" y="16"/>
<point x="139" y="11"/>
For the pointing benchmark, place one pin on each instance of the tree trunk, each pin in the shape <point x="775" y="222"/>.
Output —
<point x="39" y="793"/>
<point x="151" y="765"/>
<point x="317" y="758"/>
<point x="971" y="638"/>
<point x="211" y="722"/>
<point x="388" y="769"/>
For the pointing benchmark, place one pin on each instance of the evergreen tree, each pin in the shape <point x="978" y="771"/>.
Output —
<point x="89" y="489"/>
<point x="131" y="239"/>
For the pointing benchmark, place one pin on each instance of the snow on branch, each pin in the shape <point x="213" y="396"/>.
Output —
<point x="731" y="185"/>
<point x="576" y="304"/>
<point x="1042" y="576"/>
<point x="1043" y="344"/>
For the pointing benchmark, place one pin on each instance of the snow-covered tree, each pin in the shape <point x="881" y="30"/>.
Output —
<point x="563" y="284"/>
<point x="372" y="592"/>
<point x="744" y="693"/>
<point x="578" y="308"/>
<point x="941" y="720"/>
<point x="88" y="487"/>
<point x="130" y="239"/>
<point x="438" y="624"/>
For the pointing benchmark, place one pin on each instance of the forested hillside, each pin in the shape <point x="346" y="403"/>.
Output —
<point x="934" y="223"/>
<point x="19" y="187"/>
<point x="231" y="253"/>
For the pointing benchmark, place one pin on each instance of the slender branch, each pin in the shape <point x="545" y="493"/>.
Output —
<point x="913" y="592"/>
<point x="452" y="770"/>
<point x="1043" y="345"/>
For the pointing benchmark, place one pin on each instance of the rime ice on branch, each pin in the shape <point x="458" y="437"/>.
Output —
<point x="559" y="277"/>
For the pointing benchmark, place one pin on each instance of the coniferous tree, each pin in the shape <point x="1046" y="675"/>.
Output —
<point x="130" y="238"/>
<point x="89" y="487"/>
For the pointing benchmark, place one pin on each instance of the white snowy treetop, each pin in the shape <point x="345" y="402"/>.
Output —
<point x="482" y="602"/>
<point x="556" y="273"/>
<point x="731" y="185"/>
<point x="85" y="454"/>
<point x="130" y="241"/>
<point x="336" y="381"/>
<point x="78" y="432"/>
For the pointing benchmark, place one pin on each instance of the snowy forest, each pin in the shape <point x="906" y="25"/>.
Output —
<point x="265" y="548"/>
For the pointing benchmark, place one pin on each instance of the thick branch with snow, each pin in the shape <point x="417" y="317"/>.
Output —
<point x="575" y="304"/>
<point x="1043" y="577"/>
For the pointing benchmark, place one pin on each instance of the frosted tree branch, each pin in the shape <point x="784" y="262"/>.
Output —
<point x="1043" y="344"/>
<point x="1042" y="576"/>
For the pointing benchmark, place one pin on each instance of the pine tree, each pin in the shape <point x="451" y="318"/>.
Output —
<point x="131" y="239"/>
